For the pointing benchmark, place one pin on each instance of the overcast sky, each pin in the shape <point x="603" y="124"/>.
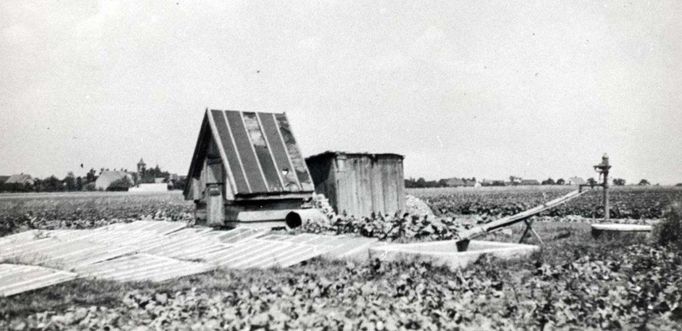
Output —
<point x="461" y="88"/>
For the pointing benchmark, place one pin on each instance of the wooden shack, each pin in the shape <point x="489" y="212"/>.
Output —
<point x="360" y="183"/>
<point x="247" y="168"/>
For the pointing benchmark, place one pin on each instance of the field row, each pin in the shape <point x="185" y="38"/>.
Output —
<point x="626" y="202"/>
<point x="86" y="210"/>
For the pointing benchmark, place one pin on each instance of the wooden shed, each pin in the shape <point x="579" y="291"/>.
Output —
<point x="247" y="168"/>
<point x="360" y="183"/>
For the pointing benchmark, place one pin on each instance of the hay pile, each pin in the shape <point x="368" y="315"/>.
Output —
<point x="415" y="206"/>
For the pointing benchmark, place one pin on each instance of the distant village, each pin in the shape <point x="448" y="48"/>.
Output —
<point x="511" y="181"/>
<point x="144" y="179"/>
<point x="154" y="179"/>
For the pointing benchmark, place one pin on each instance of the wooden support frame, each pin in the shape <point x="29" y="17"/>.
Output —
<point x="465" y="236"/>
<point x="529" y="229"/>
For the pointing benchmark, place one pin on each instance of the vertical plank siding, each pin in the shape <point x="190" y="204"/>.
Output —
<point x="368" y="183"/>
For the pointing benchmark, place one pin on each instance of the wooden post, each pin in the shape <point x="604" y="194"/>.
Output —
<point x="529" y="229"/>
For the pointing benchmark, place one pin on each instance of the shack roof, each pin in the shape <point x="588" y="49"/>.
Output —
<point x="258" y="151"/>
<point x="332" y="154"/>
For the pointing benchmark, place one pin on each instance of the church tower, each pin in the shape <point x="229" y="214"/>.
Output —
<point x="141" y="167"/>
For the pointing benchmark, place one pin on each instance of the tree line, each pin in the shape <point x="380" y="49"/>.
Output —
<point x="421" y="182"/>
<point x="73" y="183"/>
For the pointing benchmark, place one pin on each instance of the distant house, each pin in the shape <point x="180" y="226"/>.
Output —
<point x="156" y="187"/>
<point x="16" y="183"/>
<point x="576" y="181"/>
<point x="20" y="179"/>
<point x="159" y="180"/>
<point x="514" y="180"/>
<point x="107" y="178"/>
<point x="455" y="182"/>
<point x="530" y="182"/>
<point x="493" y="182"/>
<point x="462" y="182"/>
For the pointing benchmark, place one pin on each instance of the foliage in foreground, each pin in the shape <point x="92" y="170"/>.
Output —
<point x="633" y="287"/>
<point x="669" y="230"/>
<point x="408" y="227"/>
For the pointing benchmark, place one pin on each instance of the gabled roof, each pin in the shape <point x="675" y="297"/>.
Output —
<point x="106" y="178"/>
<point x="455" y="181"/>
<point x="20" y="179"/>
<point x="258" y="152"/>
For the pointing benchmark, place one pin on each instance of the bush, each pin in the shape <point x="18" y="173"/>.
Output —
<point x="120" y="185"/>
<point x="90" y="187"/>
<point x="669" y="230"/>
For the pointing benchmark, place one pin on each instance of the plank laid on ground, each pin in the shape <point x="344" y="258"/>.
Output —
<point x="260" y="253"/>
<point x="159" y="227"/>
<point x="186" y="244"/>
<point x="63" y="254"/>
<point x="141" y="267"/>
<point x="337" y="246"/>
<point x="239" y="234"/>
<point x="16" y="278"/>
<point x="157" y="251"/>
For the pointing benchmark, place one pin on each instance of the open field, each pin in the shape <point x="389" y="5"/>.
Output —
<point x="573" y="282"/>
<point x="636" y="202"/>
<point x="19" y="212"/>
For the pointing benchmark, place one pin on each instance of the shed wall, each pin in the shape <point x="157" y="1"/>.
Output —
<point x="359" y="184"/>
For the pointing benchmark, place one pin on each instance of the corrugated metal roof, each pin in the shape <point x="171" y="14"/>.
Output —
<point x="260" y="152"/>
<point x="15" y="278"/>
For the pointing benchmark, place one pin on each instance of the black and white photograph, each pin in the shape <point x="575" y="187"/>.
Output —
<point x="340" y="165"/>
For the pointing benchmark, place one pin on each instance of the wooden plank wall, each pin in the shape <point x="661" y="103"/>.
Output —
<point x="366" y="184"/>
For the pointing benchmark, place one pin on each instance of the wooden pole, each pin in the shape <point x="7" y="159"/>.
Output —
<point x="606" y="198"/>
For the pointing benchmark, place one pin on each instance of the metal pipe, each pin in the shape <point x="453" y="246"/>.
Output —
<point x="607" y="208"/>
